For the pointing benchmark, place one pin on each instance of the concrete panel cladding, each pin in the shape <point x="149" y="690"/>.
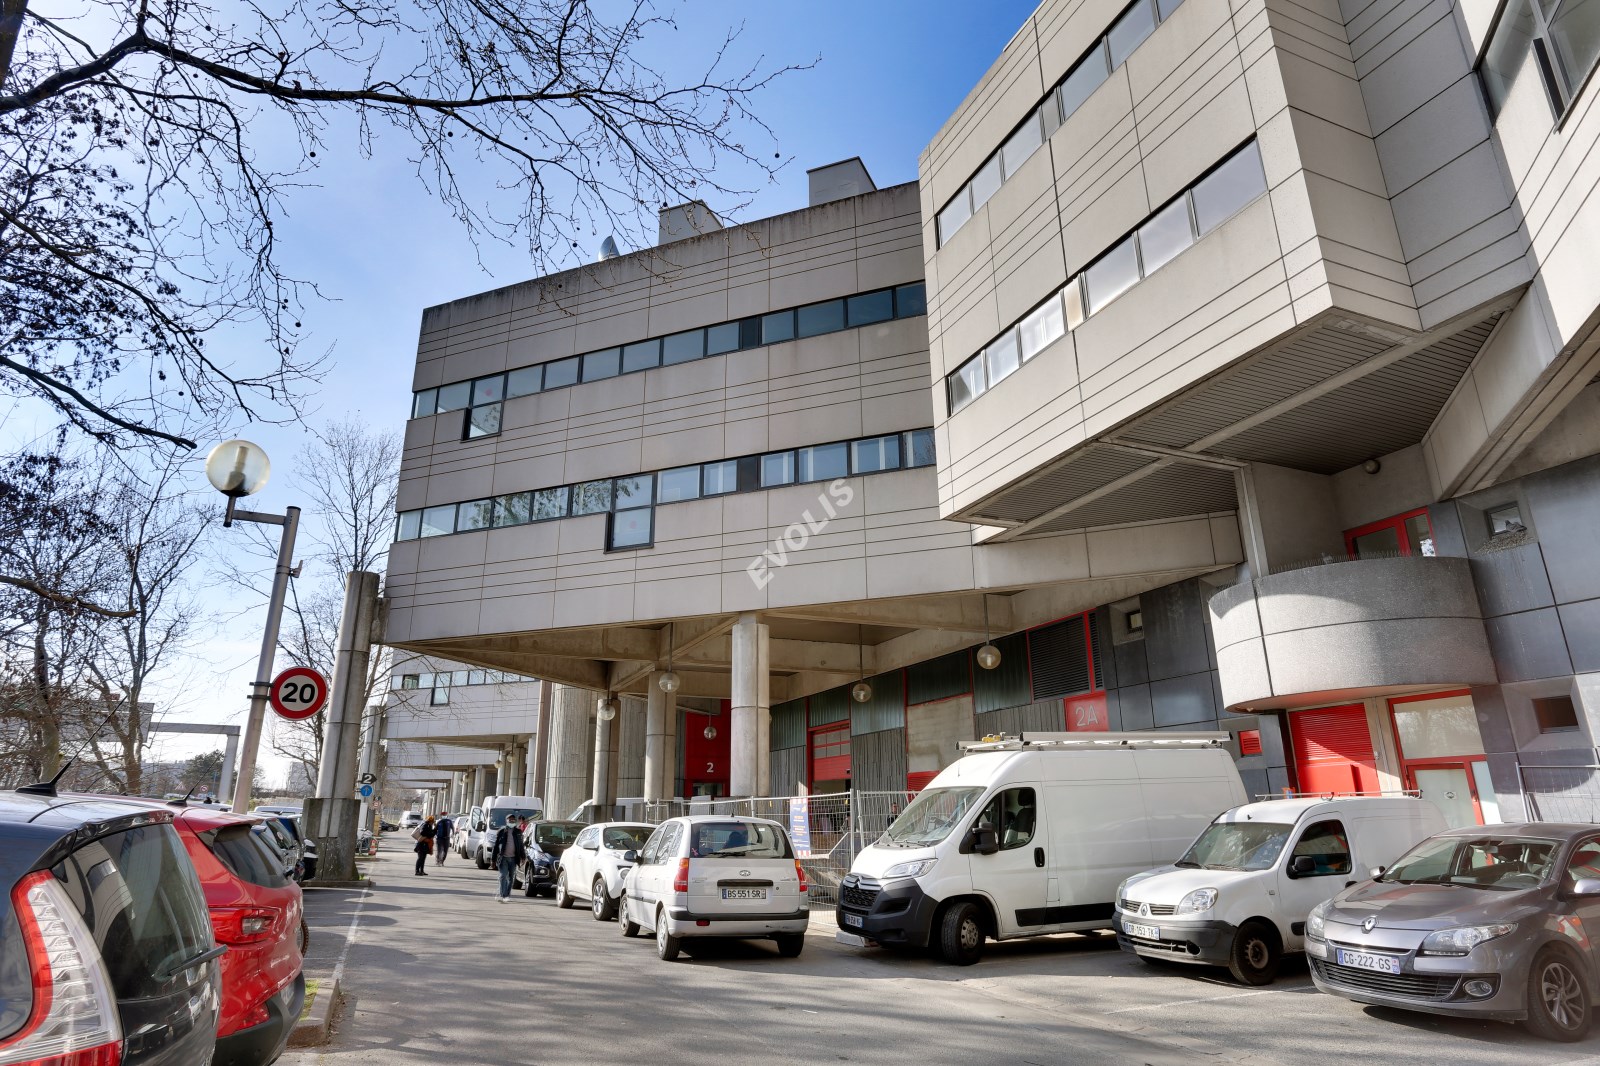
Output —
<point x="1337" y="631"/>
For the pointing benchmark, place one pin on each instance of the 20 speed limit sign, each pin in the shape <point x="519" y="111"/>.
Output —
<point x="299" y="692"/>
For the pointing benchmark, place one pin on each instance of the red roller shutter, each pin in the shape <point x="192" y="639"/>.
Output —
<point x="1333" y="750"/>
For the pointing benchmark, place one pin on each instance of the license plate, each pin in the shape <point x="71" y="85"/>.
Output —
<point x="1360" y="960"/>
<point x="854" y="919"/>
<point x="744" y="893"/>
<point x="1143" y="932"/>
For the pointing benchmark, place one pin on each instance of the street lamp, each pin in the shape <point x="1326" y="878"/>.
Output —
<point x="237" y="468"/>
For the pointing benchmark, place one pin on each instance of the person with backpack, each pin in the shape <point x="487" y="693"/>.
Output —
<point x="508" y="851"/>
<point x="423" y="835"/>
<point x="441" y="837"/>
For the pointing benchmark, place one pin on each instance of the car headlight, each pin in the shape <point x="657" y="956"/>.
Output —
<point x="915" y="868"/>
<point x="1201" y="899"/>
<point x="1314" y="921"/>
<point x="1464" y="938"/>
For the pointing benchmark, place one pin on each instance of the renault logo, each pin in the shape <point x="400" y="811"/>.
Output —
<point x="744" y="873"/>
<point x="1369" y="923"/>
<point x="1144" y="910"/>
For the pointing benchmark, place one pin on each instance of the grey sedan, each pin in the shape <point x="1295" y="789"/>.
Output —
<point x="1484" y="922"/>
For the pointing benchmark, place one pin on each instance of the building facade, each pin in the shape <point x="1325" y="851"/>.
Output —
<point x="1231" y="365"/>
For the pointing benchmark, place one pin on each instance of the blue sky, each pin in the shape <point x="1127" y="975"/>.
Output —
<point x="887" y="75"/>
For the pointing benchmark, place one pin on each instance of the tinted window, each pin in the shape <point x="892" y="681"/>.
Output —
<point x="555" y="835"/>
<point x="966" y="384"/>
<point x="550" y="503"/>
<point x="738" y="840"/>
<point x="483" y="421"/>
<point x="410" y="525"/>
<point x="424" y="403"/>
<point x="723" y="338"/>
<point x="777" y="469"/>
<point x="1165" y="235"/>
<point x="1228" y="188"/>
<point x="513" y="510"/>
<point x="489" y="390"/>
<point x="919" y="448"/>
<point x="824" y="462"/>
<point x="641" y="356"/>
<point x="626" y="838"/>
<point x="910" y="300"/>
<point x="1041" y="328"/>
<point x="1022" y="144"/>
<point x="599" y="365"/>
<point x="1083" y="81"/>
<point x="778" y="327"/>
<point x="680" y="484"/>
<point x="591" y="497"/>
<point x="870" y="456"/>
<point x="454" y="397"/>
<point x="821" y="318"/>
<point x="138" y="892"/>
<point x="245" y="856"/>
<point x="523" y="382"/>
<point x="1002" y="357"/>
<point x="474" y="514"/>
<point x="437" y="521"/>
<point x="684" y="347"/>
<point x="955" y="215"/>
<point x="873" y="307"/>
<point x="720" y="478"/>
<point x="1115" y="273"/>
<point x="632" y="529"/>
<point x="986" y="182"/>
<point x="636" y="491"/>
<point x="1129" y="31"/>
<point x="560" y="373"/>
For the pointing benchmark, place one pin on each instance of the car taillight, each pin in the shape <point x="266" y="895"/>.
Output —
<point x="243" y="925"/>
<point x="255" y="1016"/>
<point x="74" y="1018"/>
<point x="680" y="883"/>
<point x="800" y="872"/>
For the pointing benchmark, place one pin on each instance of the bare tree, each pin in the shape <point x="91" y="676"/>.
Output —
<point x="142" y="169"/>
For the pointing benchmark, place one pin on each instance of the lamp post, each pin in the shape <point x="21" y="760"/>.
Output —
<point x="237" y="468"/>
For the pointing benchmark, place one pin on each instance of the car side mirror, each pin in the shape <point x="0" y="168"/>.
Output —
<point x="983" y="840"/>
<point x="1587" y="886"/>
<point x="1302" y="866"/>
<point x="1377" y="872"/>
<point x="479" y="828"/>
<point x="630" y="856"/>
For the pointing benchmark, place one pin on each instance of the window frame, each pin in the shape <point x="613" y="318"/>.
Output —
<point x="1397" y="522"/>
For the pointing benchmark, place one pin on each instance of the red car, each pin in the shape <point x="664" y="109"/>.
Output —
<point x="256" y="913"/>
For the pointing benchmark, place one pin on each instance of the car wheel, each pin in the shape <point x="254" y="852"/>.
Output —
<point x="667" y="945"/>
<point x="563" y="897"/>
<point x="790" y="944"/>
<point x="961" y="935"/>
<point x="481" y="860"/>
<point x="1558" y="1004"/>
<point x="604" y="907"/>
<point x="530" y="890"/>
<point x="630" y="928"/>
<point x="1255" y="955"/>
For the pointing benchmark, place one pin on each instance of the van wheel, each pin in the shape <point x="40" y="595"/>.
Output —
<point x="791" y="944"/>
<point x="563" y="898"/>
<point x="961" y="935"/>
<point x="600" y="901"/>
<point x="667" y="945"/>
<point x="1558" y="1004"/>
<point x="483" y="863"/>
<point x="630" y="928"/>
<point x="1255" y="955"/>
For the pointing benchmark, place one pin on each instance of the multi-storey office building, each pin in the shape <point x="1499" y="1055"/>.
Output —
<point x="1256" y="344"/>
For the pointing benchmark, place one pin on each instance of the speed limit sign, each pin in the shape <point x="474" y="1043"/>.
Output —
<point x="299" y="692"/>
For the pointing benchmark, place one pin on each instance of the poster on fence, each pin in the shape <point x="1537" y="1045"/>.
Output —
<point x="800" y="826"/>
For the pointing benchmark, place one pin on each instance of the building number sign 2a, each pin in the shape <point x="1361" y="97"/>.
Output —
<point x="299" y="692"/>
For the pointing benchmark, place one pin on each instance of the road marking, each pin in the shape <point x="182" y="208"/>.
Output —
<point x="1207" y="999"/>
<point x="350" y="936"/>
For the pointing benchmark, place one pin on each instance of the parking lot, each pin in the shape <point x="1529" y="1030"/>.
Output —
<point x="436" y="972"/>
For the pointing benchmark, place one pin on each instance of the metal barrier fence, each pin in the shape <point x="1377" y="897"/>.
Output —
<point x="1556" y="793"/>
<point x="829" y="833"/>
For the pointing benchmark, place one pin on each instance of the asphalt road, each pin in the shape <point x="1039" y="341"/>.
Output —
<point x="437" y="972"/>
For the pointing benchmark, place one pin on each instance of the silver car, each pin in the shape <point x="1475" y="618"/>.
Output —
<point x="1496" y="922"/>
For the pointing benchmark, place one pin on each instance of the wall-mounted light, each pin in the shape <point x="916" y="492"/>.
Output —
<point x="1372" y="466"/>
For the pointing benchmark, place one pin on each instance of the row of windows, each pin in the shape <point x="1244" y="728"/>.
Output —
<point x="1562" y="37"/>
<point x="481" y="398"/>
<point x="1136" y="22"/>
<point x="631" y="500"/>
<point x="1196" y="211"/>
<point x="458" y="678"/>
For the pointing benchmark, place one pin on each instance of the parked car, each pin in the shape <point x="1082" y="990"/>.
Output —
<point x="277" y="835"/>
<point x="386" y="826"/>
<point x="546" y="842"/>
<point x="1022" y="837"/>
<point x="304" y="846"/>
<point x="485" y="820"/>
<point x="410" y="819"/>
<point x="1239" y="896"/>
<point x="1495" y="922"/>
<point x="707" y="875"/>
<point x="106" y="935"/>
<point x="594" y="866"/>
<point x="258" y="914"/>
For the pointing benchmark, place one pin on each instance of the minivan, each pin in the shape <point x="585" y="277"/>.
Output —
<point x="484" y="821"/>
<point x="1028" y="836"/>
<point x="1240" y="895"/>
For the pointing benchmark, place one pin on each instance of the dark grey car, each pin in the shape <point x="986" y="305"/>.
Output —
<point x="1484" y="922"/>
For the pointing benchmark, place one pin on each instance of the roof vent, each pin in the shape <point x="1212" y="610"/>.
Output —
<point x="687" y="220"/>
<point x="608" y="250"/>
<point x="840" y="181"/>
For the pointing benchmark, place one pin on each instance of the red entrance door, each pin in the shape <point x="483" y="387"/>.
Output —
<point x="1333" y="750"/>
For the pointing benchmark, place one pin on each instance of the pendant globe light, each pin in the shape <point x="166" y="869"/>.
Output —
<point x="988" y="654"/>
<point x="669" y="681"/>
<point x="861" y="691"/>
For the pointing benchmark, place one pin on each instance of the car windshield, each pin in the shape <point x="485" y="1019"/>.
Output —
<point x="555" y="836"/>
<point x="930" y="817"/>
<point x="1498" y="863"/>
<point x="1237" y="846"/>
<point x="497" y="817"/>
<point x="627" y="837"/>
<point x="738" y="840"/>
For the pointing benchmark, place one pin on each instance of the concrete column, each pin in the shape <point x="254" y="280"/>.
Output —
<point x="530" y="768"/>
<point x="750" y="769"/>
<point x="541" y="762"/>
<point x="630" y="747"/>
<point x="605" y="762"/>
<point x="571" y="744"/>
<point x="476" y="788"/>
<point x="661" y="716"/>
<point x="230" y="756"/>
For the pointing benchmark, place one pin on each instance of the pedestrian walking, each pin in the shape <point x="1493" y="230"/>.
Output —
<point x="508" y="851"/>
<point x="442" y="829"/>
<point x="423" y="835"/>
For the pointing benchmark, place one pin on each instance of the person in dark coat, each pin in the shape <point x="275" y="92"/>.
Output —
<point x="424" y="837"/>
<point x="442" y="829"/>
<point x="508" y="851"/>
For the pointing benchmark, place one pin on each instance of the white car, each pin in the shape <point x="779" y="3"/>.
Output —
<point x="707" y="875"/>
<point x="410" y="820"/>
<point x="594" y="867"/>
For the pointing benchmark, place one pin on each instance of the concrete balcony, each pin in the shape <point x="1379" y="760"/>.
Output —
<point x="1348" y="630"/>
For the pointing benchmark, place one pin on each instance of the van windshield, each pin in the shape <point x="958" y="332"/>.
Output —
<point x="497" y="816"/>
<point x="1237" y="846"/>
<point x="930" y="817"/>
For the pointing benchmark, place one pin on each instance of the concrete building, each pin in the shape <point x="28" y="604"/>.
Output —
<point x="1230" y="365"/>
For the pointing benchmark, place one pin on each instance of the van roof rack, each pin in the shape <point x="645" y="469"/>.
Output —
<point x="1291" y="794"/>
<point x="1155" y="739"/>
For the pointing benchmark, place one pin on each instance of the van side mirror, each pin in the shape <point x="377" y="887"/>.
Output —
<point x="1302" y="866"/>
<point x="1587" y="886"/>
<point x="630" y="857"/>
<point x="983" y="840"/>
<point x="479" y="827"/>
<point x="1377" y="872"/>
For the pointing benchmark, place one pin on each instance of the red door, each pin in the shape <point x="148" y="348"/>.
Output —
<point x="1333" y="750"/>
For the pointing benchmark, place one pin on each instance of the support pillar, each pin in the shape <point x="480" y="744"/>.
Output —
<point x="476" y="789"/>
<point x="630" y="748"/>
<point x="750" y="769"/>
<point x="530" y="767"/>
<point x="570" y="747"/>
<point x="604" y="793"/>
<point x="661" y="718"/>
<point x="230" y="757"/>
<point x="371" y="731"/>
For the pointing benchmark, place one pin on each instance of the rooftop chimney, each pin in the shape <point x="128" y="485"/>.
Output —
<point x="840" y="181"/>
<point x="687" y="220"/>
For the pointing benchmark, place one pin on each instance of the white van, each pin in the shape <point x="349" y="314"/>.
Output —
<point x="485" y="821"/>
<point x="1022" y="837"/>
<point x="1240" y="895"/>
